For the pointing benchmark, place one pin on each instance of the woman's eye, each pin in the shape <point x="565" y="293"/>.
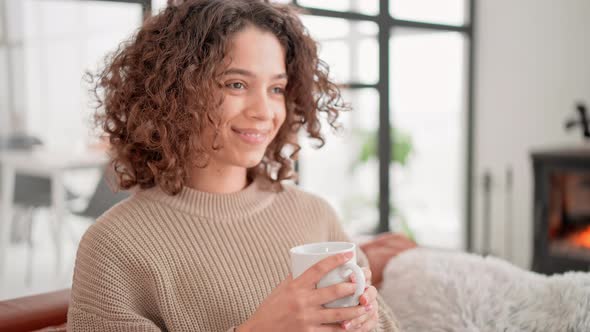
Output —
<point x="235" y="85"/>
<point x="278" y="90"/>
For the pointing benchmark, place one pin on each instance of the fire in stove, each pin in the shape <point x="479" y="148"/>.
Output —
<point x="569" y="213"/>
<point x="581" y="238"/>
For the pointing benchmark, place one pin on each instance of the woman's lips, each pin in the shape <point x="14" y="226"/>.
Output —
<point x="251" y="136"/>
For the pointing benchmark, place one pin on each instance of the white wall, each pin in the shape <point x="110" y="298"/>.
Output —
<point x="532" y="65"/>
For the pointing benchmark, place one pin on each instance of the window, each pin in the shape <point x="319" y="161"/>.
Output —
<point x="453" y="12"/>
<point x="406" y="62"/>
<point x="369" y="7"/>
<point x="50" y="44"/>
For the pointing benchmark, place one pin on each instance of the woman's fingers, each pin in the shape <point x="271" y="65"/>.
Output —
<point x="329" y="328"/>
<point x="368" y="275"/>
<point x="371" y="323"/>
<point x="328" y="294"/>
<point x="358" y="323"/>
<point x="335" y="315"/>
<point x="369" y="301"/>
<point x="369" y="296"/>
<point x="313" y="275"/>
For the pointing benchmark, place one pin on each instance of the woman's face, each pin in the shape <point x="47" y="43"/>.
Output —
<point x="253" y="109"/>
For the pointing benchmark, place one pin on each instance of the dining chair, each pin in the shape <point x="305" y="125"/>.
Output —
<point x="101" y="200"/>
<point x="30" y="194"/>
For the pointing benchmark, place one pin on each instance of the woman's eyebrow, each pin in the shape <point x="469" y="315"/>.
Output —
<point x="248" y="73"/>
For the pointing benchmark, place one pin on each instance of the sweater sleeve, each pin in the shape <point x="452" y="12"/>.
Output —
<point x="387" y="321"/>
<point x="108" y="292"/>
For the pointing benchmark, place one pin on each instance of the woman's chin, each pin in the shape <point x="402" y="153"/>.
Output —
<point x="251" y="161"/>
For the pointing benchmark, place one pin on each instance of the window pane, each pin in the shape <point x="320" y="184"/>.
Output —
<point x="63" y="40"/>
<point x="453" y="12"/>
<point x="427" y="92"/>
<point x="349" y="47"/>
<point x="2" y="23"/>
<point x="17" y="85"/>
<point x="345" y="171"/>
<point x="369" y="7"/>
<point x="13" y="19"/>
<point x="158" y="5"/>
<point x="4" y="97"/>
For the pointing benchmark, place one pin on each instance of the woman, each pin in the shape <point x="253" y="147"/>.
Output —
<point x="200" y="108"/>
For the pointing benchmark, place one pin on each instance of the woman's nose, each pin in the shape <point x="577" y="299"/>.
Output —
<point x="260" y="107"/>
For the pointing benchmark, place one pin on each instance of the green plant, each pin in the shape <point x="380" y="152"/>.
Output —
<point x="401" y="150"/>
<point x="401" y="146"/>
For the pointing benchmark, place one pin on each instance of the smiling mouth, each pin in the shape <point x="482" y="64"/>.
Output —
<point x="251" y="136"/>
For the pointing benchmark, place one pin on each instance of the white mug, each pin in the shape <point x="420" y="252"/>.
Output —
<point x="305" y="256"/>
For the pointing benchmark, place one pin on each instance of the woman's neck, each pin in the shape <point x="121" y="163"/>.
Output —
<point x="218" y="179"/>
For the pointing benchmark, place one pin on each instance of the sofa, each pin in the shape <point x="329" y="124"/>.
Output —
<point x="40" y="312"/>
<point x="443" y="290"/>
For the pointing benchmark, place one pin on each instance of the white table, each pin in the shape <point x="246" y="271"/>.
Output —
<point x="44" y="163"/>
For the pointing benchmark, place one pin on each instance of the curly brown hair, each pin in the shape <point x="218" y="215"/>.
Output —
<point x="159" y="91"/>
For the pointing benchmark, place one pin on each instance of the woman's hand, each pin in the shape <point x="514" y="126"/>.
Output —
<point x="296" y="305"/>
<point x="369" y="320"/>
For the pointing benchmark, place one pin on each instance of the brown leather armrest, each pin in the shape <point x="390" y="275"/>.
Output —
<point x="34" y="312"/>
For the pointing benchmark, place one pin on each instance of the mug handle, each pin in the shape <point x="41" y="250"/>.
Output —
<point x="359" y="277"/>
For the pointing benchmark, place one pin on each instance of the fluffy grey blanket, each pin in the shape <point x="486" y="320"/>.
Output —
<point x="432" y="291"/>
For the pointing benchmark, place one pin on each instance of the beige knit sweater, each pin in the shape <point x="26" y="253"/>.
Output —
<point x="195" y="261"/>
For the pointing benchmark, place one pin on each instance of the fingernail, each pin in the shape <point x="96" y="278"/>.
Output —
<point x="346" y="325"/>
<point x="369" y="307"/>
<point x="363" y="300"/>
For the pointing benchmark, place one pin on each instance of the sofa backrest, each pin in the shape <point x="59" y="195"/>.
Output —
<point x="36" y="312"/>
